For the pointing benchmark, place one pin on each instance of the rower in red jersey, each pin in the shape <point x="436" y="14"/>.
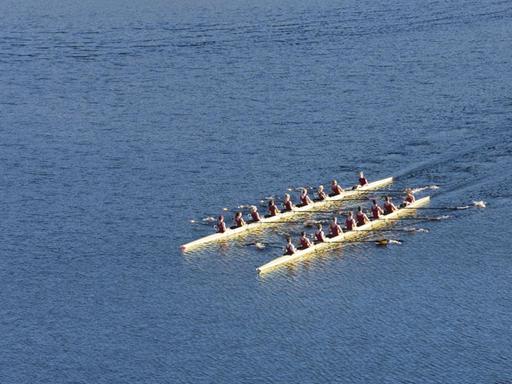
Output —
<point x="287" y="203"/>
<point x="362" y="179"/>
<point x="290" y="248"/>
<point x="239" y="220"/>
<point x="350" y="223"/>
<point x="376" y="210"/>
<point x="221" y="225"/>
<point x="319" y="234"/>
<point x="255" y="214"/>
<point x="304" y="241"/>
<point x="335" y="188"/>
<point x="304" y="198"/>
<point x="361" y="217"/>
<point x="321" y="193"/>
<point x="272" y="208"/>
<point x="389" y="207"/>
<point x="334" y="228"/>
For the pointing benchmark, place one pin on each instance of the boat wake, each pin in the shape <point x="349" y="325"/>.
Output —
<point x="420" y="189"/>
<point x="416" y="230"/>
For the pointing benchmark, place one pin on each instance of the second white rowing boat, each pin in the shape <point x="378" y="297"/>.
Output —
<point x="344" y="237"/>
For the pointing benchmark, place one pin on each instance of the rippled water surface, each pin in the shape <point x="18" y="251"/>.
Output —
<point x="121" y="122"/>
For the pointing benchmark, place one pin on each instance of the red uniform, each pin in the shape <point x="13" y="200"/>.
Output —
<point x="305" y="242"/>
<point x="239" y="222"/>
<point x="336" y="189"/>
<point x="361" y="219"/>
<point x="304" y="199"/>
<point x="363" y="181"/>
<point x="221" y="227"/>
<point x="289" y="250"/>
<point x="255" y="216"/>
<point x="322" y="195"/>
<point x="350" y="223"/>
<point x="320" y="236"/>
<point x="335" y="229"/>
<point x="389" y="208"/>
<point x="272" y="210"/>
<point x="410" y="199"/>
<point x="376" y="212"/>
<point x="288" y="205"/>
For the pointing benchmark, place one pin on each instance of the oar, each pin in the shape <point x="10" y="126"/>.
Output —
<point x="382" y="191"/>
<point x="476" y="204"/>
<point x="283" y="222"/>
<point x="259" y="245"/>
<point x="423" y="218"/>
<point x="391" y="230"/>
<point x="376" y="241"/>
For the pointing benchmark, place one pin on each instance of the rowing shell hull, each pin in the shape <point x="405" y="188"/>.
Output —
<point x="346" y="236"/>
<point x="284" y="216"/>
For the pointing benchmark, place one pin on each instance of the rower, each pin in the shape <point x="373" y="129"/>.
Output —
<point x="376" y="210"/>
<point x="288" y="205"/>
<point x="350" y="223"/>
<point x="290" y="248"/>
<point x="362" y="179"/>
<point x="221" y="225"/>
<point x="409" y="199"/>
<point x="304" y="241"/>
<point x="334" y="228"/>
<point x="361" y="217"/>
<point x="255" y="214"/>
<point x="272" y="208"/>
<point x="319" y="234"/>
<point x="389" y="207"/>
<point x="335" y="188"/>
<point x="304" y="198"/>
<point x="321" y="193"/>
<point x="239" y="220"/>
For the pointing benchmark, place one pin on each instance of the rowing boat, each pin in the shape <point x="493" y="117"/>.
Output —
<point x="285" y="215"/>
<point x="344" y="237"/>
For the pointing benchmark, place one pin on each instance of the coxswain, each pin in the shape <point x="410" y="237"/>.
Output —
<point x="304" y="241"/>
<point x="362" y="179"/>
<point x="290" y="248"/>
<point x="334" y="228"/>
<point x="239" y="220"/>
<point x="321" y="193"/>
<point x="389" y="207"/>
<point x="287" y="203"/>
<point x="319" y="234"/>
<point x="409" y="199"/>
<point x="376" y="210"/>
<point x="361" y="217"/>
<point x="255" y="214"/>
<point x="350" y="223"/>
<point x="221" y="225"/>
<point x="272" y="208"/>
<point x="304" y="198"/>
<point x="335" y="188"/>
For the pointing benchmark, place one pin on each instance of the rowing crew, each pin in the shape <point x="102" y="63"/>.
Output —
<point x="288" y="205"/>
<point x="361" y="217"/>
<point x="351" y="223"/>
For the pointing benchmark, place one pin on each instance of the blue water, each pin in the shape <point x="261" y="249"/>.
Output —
<point x="121" y="122"/>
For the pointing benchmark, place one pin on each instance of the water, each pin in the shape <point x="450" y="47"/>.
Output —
<point x="122" y="122"/>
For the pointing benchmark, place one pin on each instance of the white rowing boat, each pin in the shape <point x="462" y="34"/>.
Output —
<point x="284" y="215"/>
<point x="344" y="237"/>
